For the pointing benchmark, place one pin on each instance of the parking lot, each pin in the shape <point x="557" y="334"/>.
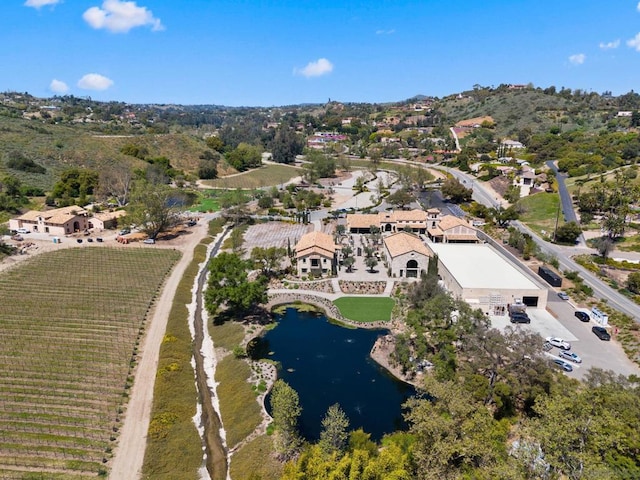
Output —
<point x="559" y="321"/>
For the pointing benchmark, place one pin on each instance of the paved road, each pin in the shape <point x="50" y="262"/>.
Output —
<point x="568" y="213"/>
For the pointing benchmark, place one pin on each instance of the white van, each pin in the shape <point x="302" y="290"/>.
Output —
<point x="22" y="230"/>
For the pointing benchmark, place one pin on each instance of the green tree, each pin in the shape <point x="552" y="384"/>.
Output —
<point x="75" y="183"/>
<point x="371" y="263"/>
<point x="454" y="435"/>
<point x="285" y="410"/>
<point x="286" y="145"/>
<point x="154" y="207"/>
<point x="268" y="258"/>
<point x="502" y="216"/>
<point x="215" y="143"/>
<point x="633" y="282"/>
<point x="400" y="198"/>
<point x="568" y="233"/>
<point x="333" y="437"/>
<point x="319" y="165"/>
<point x="512" y="195"/>
<point x="229" y="285"/>
<point x="244" y="156"/>
<point x="604" y="245"/>
<point x="455" y="191"/>
<point x="589" y="432"/>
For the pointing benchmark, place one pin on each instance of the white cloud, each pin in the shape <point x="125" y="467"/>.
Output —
<point x="610" y="45"/>
<point x="577" y="59"/>
<point x="322" y="66"/>
<point x="120" y="17"/>
<point x="385" y="32"/>
<point x="634" y="42"/>
<point x="40" y="3"/>
<point x="638" y="7"/>
<point x="94" y="81"/>
<point x="58" y="86"/>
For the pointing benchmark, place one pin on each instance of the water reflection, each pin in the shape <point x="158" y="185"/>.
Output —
<point x="328" y="364"/>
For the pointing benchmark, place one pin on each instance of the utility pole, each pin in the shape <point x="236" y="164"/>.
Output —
<point x="555" y="230"/>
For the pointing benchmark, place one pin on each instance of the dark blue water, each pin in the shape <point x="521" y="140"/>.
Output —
<point x="328" y="364"/>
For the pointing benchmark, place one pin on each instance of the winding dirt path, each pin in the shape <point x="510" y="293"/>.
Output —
<point x="129" y="454"/>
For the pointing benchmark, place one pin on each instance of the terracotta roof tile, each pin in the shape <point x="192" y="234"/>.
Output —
<point x="404" y="242"/>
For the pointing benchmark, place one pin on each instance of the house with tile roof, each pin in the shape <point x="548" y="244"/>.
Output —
<point x="388" y="221"/>
<point x="316" y="254"/>
<point x="451" y="229"/>
<point x="59" y="221"/>
<point x="105" y="220"/>
<point x="406" y="255"/>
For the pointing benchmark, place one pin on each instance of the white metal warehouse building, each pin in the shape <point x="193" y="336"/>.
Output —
<point x="485" y="279"/>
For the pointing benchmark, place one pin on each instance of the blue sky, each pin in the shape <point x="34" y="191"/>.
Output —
<point x="281" y="52"/>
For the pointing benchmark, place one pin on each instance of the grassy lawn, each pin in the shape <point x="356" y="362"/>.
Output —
<point x="227" y="335"/>
<point x="365" y="309"/>
<point x="265" y="176"/>
<point x="208" y="202"/>
<point x="540" y="212"/>
<point x="71" y="323"/>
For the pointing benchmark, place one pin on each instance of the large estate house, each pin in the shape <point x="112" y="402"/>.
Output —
<point x="316" y="254"/>
<point x="394" y="221"/>
<point x="406" y="255"/>
<point x="59" y="221"/>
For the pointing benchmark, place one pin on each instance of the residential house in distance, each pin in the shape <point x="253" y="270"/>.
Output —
<point x="316" y="254"/>
<point x="60" y="221"/>
<point x="511" y="145"/>
<point x="451" y="229"/>
<point x="406" y="255"/>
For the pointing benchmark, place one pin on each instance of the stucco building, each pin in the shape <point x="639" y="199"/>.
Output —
<point x="451" y="229"/>
<point x="316" y="254"/>
<point x="406" y="255"/>
<point x="389" y="221"/>
<point x="60" y="221"/>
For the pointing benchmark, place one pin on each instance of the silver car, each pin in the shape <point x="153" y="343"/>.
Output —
<point x="572" y="357"/>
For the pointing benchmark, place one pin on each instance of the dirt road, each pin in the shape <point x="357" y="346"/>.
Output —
<point x="129" y="454"/>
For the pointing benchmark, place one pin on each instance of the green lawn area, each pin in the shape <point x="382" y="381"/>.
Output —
<point x="365" y="309"/>
<point x="265" y="176"/>
<point x="208" y="202"/>
<point x="540" y="211"/>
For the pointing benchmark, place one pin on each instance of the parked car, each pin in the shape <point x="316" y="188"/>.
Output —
<point x="563" y="296"/>
<point x="125" y="231"/>
<point x="149" y="241"/>
<point x="601" y="333"/>
<point x="573" y="357"/>
<point x="22" y="231"/>
<point x="558" y="342"/>
<point x="519" y="318"/>
<point x="582" y="316"/>
<point x="563" y="365"/>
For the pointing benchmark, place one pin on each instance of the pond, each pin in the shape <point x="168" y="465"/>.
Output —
<point x="329" y="364"/>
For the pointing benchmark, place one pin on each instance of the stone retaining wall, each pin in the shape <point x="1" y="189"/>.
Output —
<point x="327" y="305"/>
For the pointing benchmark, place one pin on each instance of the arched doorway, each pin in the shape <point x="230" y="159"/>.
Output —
<point x="412" y="269"/>
<point x="76" y="226"/>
